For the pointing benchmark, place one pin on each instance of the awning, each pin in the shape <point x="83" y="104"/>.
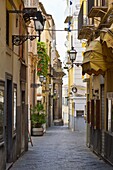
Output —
<point x="108" y="38"/>
<point x="107" y="43"/>
<point x="94" y="61"/>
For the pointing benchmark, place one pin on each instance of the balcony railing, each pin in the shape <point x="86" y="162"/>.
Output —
<point x="97" y="9"/>
<point x="84" y="29"/>
<point x="101" y="17"/>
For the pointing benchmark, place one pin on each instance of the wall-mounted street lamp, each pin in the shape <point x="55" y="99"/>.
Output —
<point x="74" y="90"/>
<point x="29" y="14"/>
<point x="39" y="23"/>
<point x="50" y="86"/>
<point x="41" y="78"/>
<point x="72" y="55"/>
<point x="36" y="85"/>
<point x="44" y="80"/>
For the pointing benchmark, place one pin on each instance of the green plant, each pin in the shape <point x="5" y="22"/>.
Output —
<point x="38" y="117"/>
<point x="43" y="59"/>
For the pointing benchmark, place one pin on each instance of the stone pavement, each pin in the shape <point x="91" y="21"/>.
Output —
<point x="60" y="149"/>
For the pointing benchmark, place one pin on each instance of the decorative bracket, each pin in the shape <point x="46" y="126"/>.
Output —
<point x="20" y="39"/>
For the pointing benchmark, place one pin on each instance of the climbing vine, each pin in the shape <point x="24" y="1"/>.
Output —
<point x="43" y="59"/>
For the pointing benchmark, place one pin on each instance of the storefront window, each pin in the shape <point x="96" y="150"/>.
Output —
<point x="1" y="111"/>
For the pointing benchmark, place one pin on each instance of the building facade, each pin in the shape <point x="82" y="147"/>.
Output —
<point x="76" y="100"/>
<point x="97" y="63"/>
<point x="13" y="85"/>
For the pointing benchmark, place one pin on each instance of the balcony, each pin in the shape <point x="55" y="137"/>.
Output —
<point x="97" y="9"/>
<point x="101" y="15"/>
<point x="85" y="30"/>
<point x="102" y="11"/>
<point x="107" y="20"/>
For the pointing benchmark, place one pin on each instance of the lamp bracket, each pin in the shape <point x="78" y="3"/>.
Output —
<point x="20" y="39"/>
<point x="35" y="85"/>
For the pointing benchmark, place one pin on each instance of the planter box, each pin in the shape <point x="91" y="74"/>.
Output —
<point x="37" y="131"/>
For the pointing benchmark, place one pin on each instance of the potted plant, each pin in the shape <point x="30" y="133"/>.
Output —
<point x="38" y="118"/>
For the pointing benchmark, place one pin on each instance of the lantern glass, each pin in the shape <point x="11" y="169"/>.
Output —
<point x="44" y="79"/>
<point x="41" y="78"/>
<point x="38" y="25"/>
<point x="72" y="54"/>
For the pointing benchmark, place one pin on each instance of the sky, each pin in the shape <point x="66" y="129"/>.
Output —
<point x="57" y="8"/>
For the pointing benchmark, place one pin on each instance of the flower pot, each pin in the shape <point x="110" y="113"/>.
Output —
<point x="37" y="131"/>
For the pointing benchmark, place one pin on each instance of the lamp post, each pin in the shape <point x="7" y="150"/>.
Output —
<point x="72" y="55"/>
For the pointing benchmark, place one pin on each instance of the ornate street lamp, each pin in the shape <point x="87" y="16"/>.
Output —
<point x="72" y="55"/>
<point x="39" y="22"/>
<point x="28" y="14"/>
<point x="74" y="89"/>
<point x="41" y="78"/>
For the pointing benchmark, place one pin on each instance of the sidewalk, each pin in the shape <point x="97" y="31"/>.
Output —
<point x="60" y="149"/>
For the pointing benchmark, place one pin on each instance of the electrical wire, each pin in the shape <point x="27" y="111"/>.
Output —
<point x="60" y="30"/>
<point x="56" y="29"/>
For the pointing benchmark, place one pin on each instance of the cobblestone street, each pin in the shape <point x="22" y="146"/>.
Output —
<point x="60" y="149"/>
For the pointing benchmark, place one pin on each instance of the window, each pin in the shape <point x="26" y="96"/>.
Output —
<point x="1" y="110"/>
<point x="103" y="3"/>
<point x="14" y="108"/>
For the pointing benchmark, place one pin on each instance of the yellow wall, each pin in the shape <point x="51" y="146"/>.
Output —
<point x="85" y="6"/>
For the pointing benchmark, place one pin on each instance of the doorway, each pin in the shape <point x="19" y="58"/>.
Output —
<point x="9" y="120"/>
<point x="23" y="121"/>
<point x="80" y="124"/>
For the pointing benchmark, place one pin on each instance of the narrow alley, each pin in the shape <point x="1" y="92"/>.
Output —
<point x="60" y="149"/>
